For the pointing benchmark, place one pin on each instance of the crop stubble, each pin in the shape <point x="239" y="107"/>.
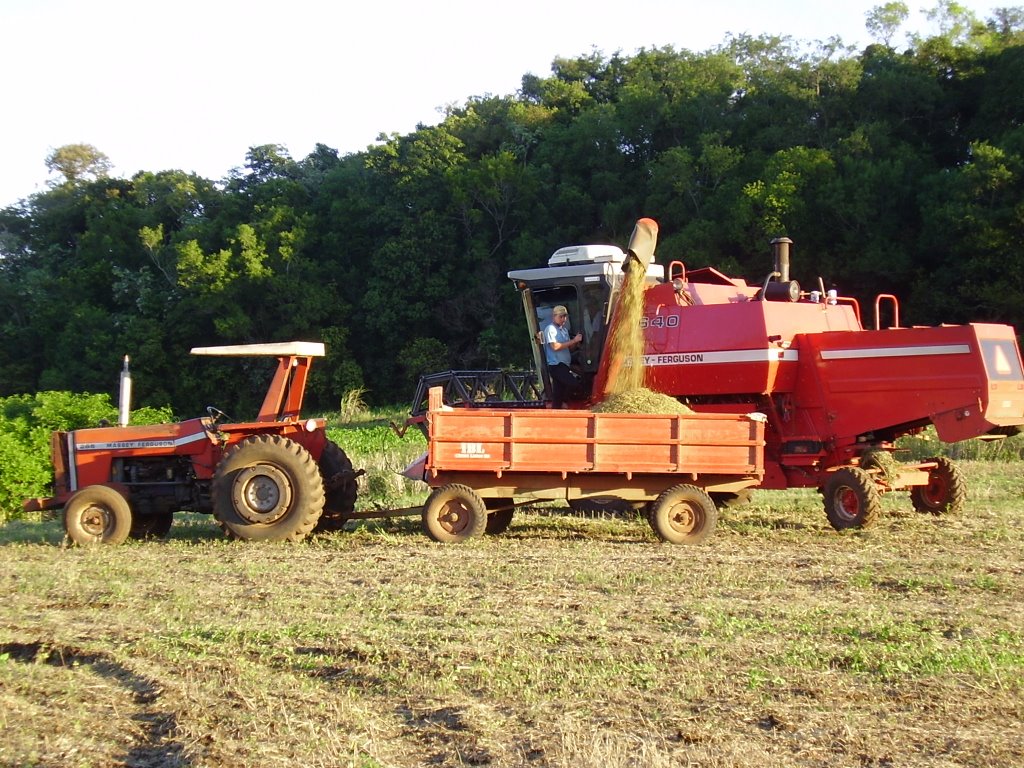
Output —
<point x="567" y="641"/>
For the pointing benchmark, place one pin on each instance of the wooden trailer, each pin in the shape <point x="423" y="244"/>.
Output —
<point x="482" y="462"/>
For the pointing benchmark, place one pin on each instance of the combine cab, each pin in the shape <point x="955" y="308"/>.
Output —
<point x="837" y="395"/>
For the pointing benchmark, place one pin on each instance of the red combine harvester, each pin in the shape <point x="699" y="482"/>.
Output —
<point x="837" y="395"/>
<point x="275" y="478"/>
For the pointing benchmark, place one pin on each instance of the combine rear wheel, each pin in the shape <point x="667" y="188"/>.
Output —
<point x="851" y="499"/>
<point x="454" y="513"/>
<point x="946" y="492"/>
<point x="97" y="514"/>
<point x="340" y="495"/>
<point x="684" y="514"/>
<point x="267" y="488"/>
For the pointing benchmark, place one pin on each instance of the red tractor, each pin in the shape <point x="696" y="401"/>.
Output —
<point x="274" y="478"/>
<point x="837" y="395"/>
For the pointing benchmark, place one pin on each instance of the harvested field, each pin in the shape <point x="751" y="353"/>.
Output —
<point x="567" y="641"/>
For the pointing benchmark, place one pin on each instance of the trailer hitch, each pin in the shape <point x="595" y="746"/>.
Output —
<point x="341" y="478"/>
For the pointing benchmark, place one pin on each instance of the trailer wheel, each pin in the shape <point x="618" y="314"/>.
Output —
<point x="851" y="499"/>
<point x="340" y="498"/>
<point x="684" y="514"/>
<point x="454" y="513"/>
<point x="267" y="488"/>
<point x="154" y="526"/>
<point x="97" y="514"/>
<point x="946" y="492"/>
<point x="498" y="519"/>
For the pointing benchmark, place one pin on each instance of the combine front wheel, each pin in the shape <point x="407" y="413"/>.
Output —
<point x="684" y="514"/>
<point x="851" y="499"/>
<point x="97" y="514"/>
<point x="267" y="488"/>
<point x="454" y="513"/>
<point x="946" y="491"/>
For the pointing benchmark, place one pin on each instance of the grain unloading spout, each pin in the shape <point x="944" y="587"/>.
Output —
<point x="641" y="244"/>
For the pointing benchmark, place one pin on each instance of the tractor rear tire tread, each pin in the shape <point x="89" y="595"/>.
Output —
<point x="339" y="502"/>
<point x="286" y="457"/>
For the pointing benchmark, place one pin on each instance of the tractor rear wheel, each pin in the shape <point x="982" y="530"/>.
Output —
<point x="454" y="513"/>
<point x="97" y="514"/>
<point x="851" y="499"/>
<point x="267" y="488"/>
<point x="684" y="514"/>
<point x="339" y="496"/>
<point x="946" y="492"/>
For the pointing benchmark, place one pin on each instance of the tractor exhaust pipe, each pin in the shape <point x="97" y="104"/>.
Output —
<point x="124" y="400"/>
<point x="780" y="250"/>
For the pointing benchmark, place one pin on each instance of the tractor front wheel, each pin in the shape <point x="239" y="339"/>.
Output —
<point x="684" y="514"/>
<point x="454" y="513"/>
<point x="946" y="492"/>
<point x="851" y="499"/>
<point x="267" y="488"/>
<point x="97" y="514"/>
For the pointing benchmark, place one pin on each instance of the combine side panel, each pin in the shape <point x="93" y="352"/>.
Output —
<point x="893" y="381"/>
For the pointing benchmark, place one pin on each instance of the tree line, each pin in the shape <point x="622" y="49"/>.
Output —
<point x="898" y="170"/>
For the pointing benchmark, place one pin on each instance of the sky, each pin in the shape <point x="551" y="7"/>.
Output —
<point x="192" y="84"/>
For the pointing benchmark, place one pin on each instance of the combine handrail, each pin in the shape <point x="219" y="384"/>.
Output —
<point x="895" y="310"/>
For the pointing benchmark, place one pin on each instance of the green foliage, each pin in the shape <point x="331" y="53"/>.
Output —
<point x="900" y="161"/>
<point x="26" y="424"/>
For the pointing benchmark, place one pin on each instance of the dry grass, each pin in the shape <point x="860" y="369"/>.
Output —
<point x="564" y="642"/>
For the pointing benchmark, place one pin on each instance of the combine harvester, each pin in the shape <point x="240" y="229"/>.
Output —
<point x="837" y="396"/>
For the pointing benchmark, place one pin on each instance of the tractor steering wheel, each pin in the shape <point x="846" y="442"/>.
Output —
<point x="217" y="414"/>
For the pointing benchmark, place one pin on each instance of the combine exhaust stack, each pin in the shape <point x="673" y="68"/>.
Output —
<point x="780" y="250"/>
